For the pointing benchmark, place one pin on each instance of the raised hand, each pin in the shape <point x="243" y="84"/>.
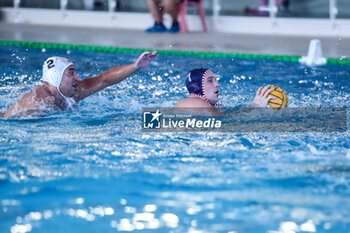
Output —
<point x="261" y="98"/>
<point x="145" y="59"/>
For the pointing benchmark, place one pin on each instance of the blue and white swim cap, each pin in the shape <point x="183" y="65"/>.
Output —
<point x="194" y="81"/>
<point x="54" y="68"/>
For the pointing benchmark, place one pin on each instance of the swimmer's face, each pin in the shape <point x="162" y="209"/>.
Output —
<point x="211" y="87"/>
<point x="69" y="84"/>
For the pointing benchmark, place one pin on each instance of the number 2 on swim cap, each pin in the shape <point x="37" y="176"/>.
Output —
<point x="50" y="64"/>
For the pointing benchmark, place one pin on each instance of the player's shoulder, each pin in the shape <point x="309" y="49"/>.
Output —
<point x="39" y="95"/>
<point x="192" y="102"/>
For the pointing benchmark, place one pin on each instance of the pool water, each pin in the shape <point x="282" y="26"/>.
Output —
<point x="94" y="170"/>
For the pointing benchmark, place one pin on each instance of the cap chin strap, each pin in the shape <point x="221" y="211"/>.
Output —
<point x="206" y="99"/>
<point x="71" y="103"/>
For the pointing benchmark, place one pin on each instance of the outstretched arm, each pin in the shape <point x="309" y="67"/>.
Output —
<point x="115" y="75"/>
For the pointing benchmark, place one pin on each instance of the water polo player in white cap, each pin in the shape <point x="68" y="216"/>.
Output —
<point x="62" y="88"/>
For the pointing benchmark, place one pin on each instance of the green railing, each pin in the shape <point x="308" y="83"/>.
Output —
<point x="106" y="49"/>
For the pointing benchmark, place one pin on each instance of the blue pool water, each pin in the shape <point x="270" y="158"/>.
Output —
<point x="94" y="170"/>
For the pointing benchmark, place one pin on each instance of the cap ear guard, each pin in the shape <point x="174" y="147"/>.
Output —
<point x="194" y="87"/>
<point x="194" y="81"/>
<point x="54" y="68"/>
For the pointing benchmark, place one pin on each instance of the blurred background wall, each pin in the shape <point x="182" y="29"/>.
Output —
<point x="297" y="8"/>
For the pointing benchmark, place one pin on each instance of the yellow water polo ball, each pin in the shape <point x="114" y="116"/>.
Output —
<point x="281" y="99"/>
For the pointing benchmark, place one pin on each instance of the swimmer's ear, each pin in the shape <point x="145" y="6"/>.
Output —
<point x="196" y="88"/>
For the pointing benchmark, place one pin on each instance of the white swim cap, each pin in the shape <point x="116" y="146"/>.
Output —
<point x="54" y="68"/>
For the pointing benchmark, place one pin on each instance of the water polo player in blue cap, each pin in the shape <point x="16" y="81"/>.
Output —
<point x="62" y="88"/>
<point x="203" y="87"/>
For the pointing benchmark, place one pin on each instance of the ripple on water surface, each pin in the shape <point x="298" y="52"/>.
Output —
<point x="95" y="169"/>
